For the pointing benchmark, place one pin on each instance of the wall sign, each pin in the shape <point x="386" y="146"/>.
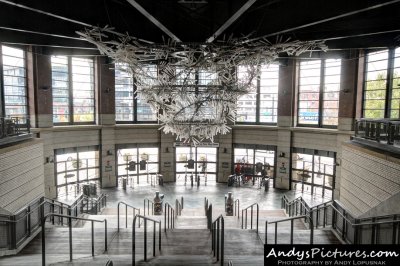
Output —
<point x="108" y="168"/>
<point x="167" y="164"/>
<point x="225" y="165"/>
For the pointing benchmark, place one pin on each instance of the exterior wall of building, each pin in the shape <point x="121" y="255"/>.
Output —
<point x="21" y="175"/>
<point x="370" y="182"/>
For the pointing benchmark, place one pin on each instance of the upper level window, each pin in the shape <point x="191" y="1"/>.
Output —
<point x="382" y="84"/>
<point x="261" y="105"/>
<point x="73" y="90"/>
<point x="13" y="83"/>
<point x="319" y="87"/>
<point x="129" y="107"/>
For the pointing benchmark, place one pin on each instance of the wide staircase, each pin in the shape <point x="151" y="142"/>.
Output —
<point x="181" y="236"/>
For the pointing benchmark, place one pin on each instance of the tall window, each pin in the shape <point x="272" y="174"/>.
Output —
<point x="75" y="167"/>
<point x="382" y="84"/>
<point x="137" y="163"/>
<point x="255" y="160"/>
<point x="129" y="107"/>
<point x="261" y="105"/>
<point x="319" y="87"/>
<point x="313" y="172"/>
<point x="73" y="90"/>
<point x="13" y="83"/>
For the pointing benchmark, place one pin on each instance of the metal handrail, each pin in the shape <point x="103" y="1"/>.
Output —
<point x="209" y="217"/>
<point x="145" y="236"/>
<point x="70" y="233"/>
<point x="126" y="212"/>
<point x="356" y="225"/>
<point x="291" y="219"/>
<point x="148" y="207"/>
<point x="205" y="205"/>
<point x="251" y="216"/>
<point x="217" y="238"/>
<point x="238" y="208"/>
<point x="178" y="207"/>
<point x="168" y="209"/>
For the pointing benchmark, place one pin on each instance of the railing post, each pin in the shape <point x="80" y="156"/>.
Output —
<point x="218" y="240"/>
<point x="394" y="230"/>
<point x="154" y="239"/>
<point x="43" y="241"/>
<point x="118" y="215"/>
<point x="318" y="210"/>
<point x="159" y="236"/>
<point x="276" y="233"/>
<point x="291" y="232"/>
<point x="266" y="232"/>
<point x="92" y="238"/>
<point x="105" y="235"/>
<point x="373" y="232"/>
<point x="165" y="218"/>
<point x="242" y="219"/>
<point x="29" y="220"/>
<point x="251" y="218"/>
<point x="258" y="214"/>
<point x="222" y="240"/>
<point x="13" y="229"/>
<point x="133" y="240"/>
<point x="145" y="240"/>
<point x="70" y="236"/>
<point x="246" y="219"/>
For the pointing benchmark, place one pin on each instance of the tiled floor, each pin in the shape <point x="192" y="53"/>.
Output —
<point x="194" y="195"/>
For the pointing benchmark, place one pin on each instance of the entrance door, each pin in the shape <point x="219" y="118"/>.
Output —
<point x="197" y="162"/>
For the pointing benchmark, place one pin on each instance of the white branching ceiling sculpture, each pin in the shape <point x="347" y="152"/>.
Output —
<point x="194" y="111"/>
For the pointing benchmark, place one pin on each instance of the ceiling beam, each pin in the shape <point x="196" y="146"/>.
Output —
<point x="153" y="19"/>
<point x="60" y="17"/>
<point x="326" y="20"/>
<point x="232" y="19"/>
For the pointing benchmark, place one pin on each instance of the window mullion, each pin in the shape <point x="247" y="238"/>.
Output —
<point x="258" y="96"/>
<point x="321" y="94"/>
<point x="70" y="91"/>
<point x="389" y="83"/>
<point x="2" y="89"/>
<point x="134" y="100"/>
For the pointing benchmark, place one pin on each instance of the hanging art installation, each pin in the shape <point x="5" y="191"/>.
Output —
<point x="194" y="111"/>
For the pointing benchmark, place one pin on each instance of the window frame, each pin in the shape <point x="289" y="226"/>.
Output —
<point x="2" y="86"/>
<point x="322" y="84"/>
<point x="135" y="106"/>
<point x="258" y="100"/>
<point x="71" y="96"/>
<point x="389" y="82"/>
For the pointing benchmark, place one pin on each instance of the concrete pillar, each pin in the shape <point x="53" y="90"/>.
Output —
<point x="348" y="91"/>
<point x="40" y="88"/>
<point x="109" y="164"/>
<point x="283" y="166"/>
<point x="225" y="153"/>
<point x="286" y="93"/>
<point x="106" y="87"/>
<point x="167" y="157"/>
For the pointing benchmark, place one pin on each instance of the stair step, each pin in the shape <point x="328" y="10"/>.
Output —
<point x="179" y="260"/>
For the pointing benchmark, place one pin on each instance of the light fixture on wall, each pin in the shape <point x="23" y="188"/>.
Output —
<point x="194" y="112"/>
<point x="282" y="155"/>
<point x="166" y="150"/>
<point x="110" y="152"/>
<point x="50" y="159"/>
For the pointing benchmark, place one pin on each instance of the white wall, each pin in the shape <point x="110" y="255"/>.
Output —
<point x="21" y="174"/>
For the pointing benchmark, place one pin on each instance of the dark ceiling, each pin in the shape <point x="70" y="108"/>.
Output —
<point x="362" y="23"/>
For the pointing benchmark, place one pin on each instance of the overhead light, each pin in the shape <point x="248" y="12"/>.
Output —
<point x="194" y="112"/>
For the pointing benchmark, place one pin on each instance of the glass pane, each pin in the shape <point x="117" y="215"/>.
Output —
<point x="14" y="82"/>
